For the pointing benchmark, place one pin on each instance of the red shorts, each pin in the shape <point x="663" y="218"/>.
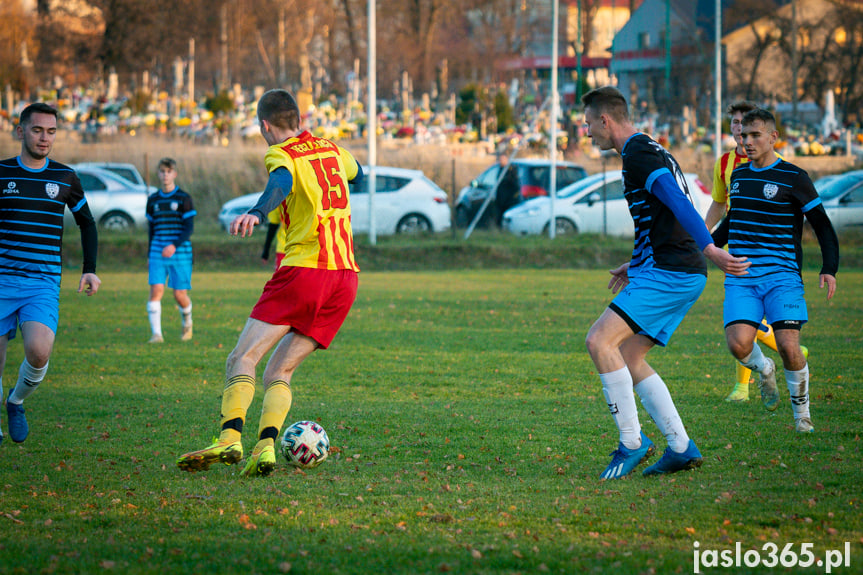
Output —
<point x="313" y="302"/>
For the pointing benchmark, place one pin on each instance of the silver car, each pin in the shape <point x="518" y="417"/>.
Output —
<point x="116" y="203"/>
<point x="842" y="197"/>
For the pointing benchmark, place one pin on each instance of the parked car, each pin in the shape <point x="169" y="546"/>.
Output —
<point x="843" y="199"/>
<point x="406" y="201"/>
<point x="580" y="208"/>
<point x="534" y="180"/>
<point x="233" y="208"/>
<point x="115" y="202"/>
<point x="126" y="171"/>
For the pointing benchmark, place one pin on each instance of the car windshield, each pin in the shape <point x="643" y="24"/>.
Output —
<point x="580" y="185"/>
<point x="837" y="186"/>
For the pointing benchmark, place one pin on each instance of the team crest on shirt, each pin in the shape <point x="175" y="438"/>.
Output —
<point x="175" y="206"/>
<point x="770" y="191"/>
<point x="52" y="190"/>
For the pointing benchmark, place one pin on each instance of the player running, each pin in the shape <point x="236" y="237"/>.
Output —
<point x="769" y="198"/>
<point x="722" y="171"/>
<point x="306" y="301"/>
<point x="34" y="193"/>
<point x="665" y="276"/>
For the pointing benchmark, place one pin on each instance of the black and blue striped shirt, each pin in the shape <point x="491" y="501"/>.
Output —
<point x="765" y="221"/>
<point x="660" y="238"/>
<point x="32" y="205"/>
<point x="171" y="218"/>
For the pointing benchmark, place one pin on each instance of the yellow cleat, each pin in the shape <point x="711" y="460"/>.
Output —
<point x="187" y="332"/>
<point x="227" y="453"/>
<point x="261" y="463"/>
<point x="739" y="393"/>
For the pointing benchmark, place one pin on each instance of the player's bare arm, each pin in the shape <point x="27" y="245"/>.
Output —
<point x="619" y="278"/>
<point x="244" y="224"/>
<point x="830" y="282"/>
<point x="89" y="284"/>
<point x="726" y="262"/>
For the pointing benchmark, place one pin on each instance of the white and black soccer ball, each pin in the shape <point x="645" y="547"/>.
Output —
<point x="305" y="444"/>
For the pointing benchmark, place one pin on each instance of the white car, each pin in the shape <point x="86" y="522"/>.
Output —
<point x="116" y="203"/>
<point x="580" y="208"/>
<point x="405" y="202"/>
<point x="126" y="171"/>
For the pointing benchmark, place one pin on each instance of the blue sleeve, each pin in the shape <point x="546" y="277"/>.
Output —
<point x="359" y="177"/>
<point x="278" y="187"/>
<point x="663" y="185"/>
<point x="188" y="229"/>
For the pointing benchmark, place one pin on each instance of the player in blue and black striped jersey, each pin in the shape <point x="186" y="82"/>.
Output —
<point x="34" y="194"/>
<point x="172" y="221"/>
<point x="769" y="198"/>
<point x="665" y="276"/>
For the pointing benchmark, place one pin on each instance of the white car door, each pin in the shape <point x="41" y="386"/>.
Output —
<point x="849" y="212"/>
<point x="96" y="192"/>
<point x="604" y="209"/>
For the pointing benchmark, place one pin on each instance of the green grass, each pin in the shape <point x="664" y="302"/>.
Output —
<point x="468" y="430"/>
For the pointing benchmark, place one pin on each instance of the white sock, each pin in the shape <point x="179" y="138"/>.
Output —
<point x="29" y="378"/>
<point x="657" y="401"/>
<point x="154" y="312"/>
<point x="755" y="360"/>
<point x="798" y="387"/>
<point x="186" y="314"/>
<point x="617" y="388"/>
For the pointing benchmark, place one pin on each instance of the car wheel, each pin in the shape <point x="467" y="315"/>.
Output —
<point x="564" y="227"/>
<point x="413" y="224"/>
<point x="117" y="221"/>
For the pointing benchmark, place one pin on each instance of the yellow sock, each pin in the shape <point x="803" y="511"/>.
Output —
<point x="743" y="375"/>
<point x="768" y="337"/>
<point x="238" y="395"/>
<point x="277" y="404"/>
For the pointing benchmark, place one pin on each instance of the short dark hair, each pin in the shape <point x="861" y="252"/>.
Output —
<point x="757" y="114"/>
<point x="742" y="106"/>
<point x="169" y="163"/>
<point x="279" y="108"/>
<point x="607" y="100"/>
<point x="36" y="108"/>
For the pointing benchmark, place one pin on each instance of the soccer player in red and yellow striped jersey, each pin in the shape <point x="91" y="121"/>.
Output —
<point x="311" y="292"/>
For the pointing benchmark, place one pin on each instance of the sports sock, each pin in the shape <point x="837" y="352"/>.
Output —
<point x="755" y="360"/>
<point x="766" y="335"/>
<point x="277" y="403"/>
<point x="798" y="387"/>
<point x="236" y="399"/>
<point x="186" y="314"/>
<point x="743" y="375"/>
<point x="617" y="388"/>
<point x="657" y="401"/>
<point x="154" y="312"/>
<point x="29" y="379"/>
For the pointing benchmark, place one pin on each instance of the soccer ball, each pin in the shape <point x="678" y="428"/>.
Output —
<point x="305" y="444"/>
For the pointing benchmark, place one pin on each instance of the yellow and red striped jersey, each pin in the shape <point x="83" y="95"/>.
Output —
<point x="722" y="174"/>
<point x="317" y="213"/>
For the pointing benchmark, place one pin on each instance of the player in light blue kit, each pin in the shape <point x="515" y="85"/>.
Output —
<point x="665" y="276"/>
<point x="172" y="221"/>
<point x="34" y="194"/>
<point x="769" y="198"/>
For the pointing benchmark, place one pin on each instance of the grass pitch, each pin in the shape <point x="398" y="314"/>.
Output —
<point x="468" y="430"/>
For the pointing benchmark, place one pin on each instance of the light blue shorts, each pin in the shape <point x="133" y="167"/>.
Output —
<point x="655" y="302"/>
<point x="177" y="270"/>
<point x="25" y="299"/>
<point x="779" y="301"/>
